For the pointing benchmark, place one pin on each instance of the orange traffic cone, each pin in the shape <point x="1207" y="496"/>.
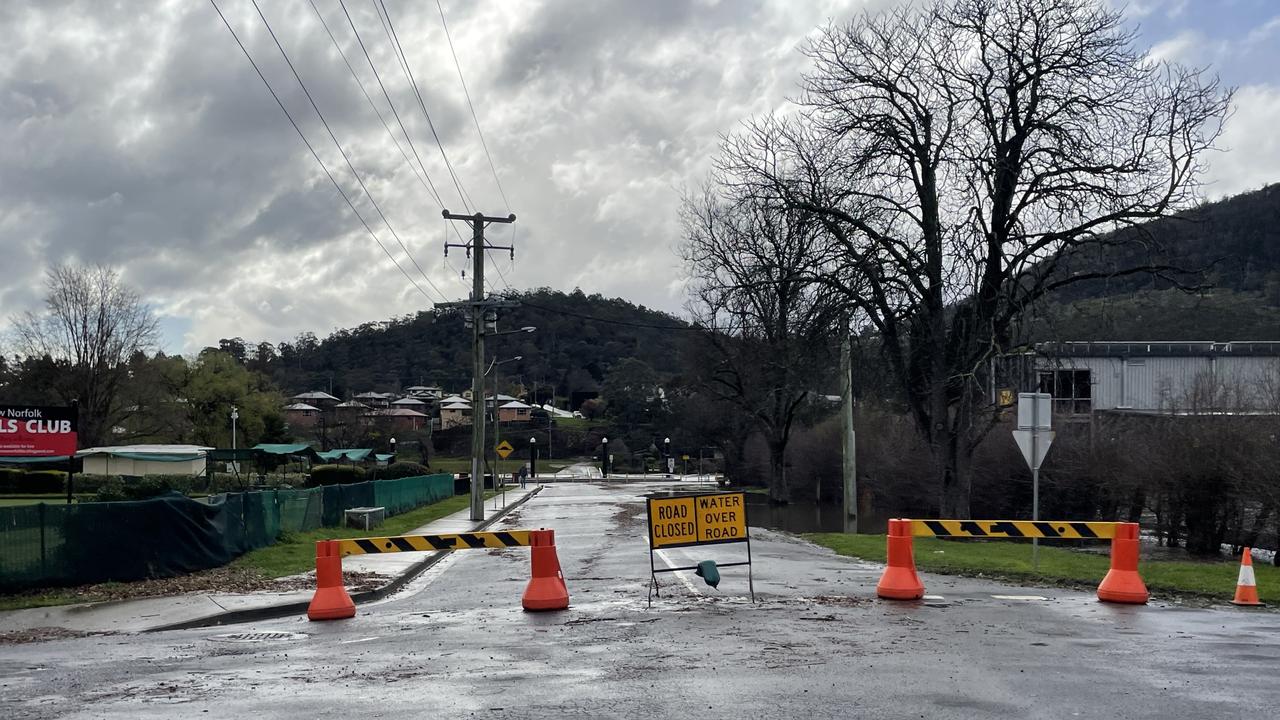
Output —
<point x="899" y="581"/>
<point x="1123" y="584"/>
<point x="331" y="601"/>
<point x="1246" y="586"/>
<point x="546" y="589"/>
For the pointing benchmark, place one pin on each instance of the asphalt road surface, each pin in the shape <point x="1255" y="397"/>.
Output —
<point x="816" y="644"/>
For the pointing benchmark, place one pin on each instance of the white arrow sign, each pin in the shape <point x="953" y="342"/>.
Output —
<point x="1042" y="440"/>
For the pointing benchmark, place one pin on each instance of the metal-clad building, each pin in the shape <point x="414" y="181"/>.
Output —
<point x="1165" y="377"/>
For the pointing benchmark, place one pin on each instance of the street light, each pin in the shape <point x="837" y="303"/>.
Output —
<point x="604" y="461"/>
<point x="393" y="449"/>
<point x="666" y="456"/>
<point x="533" y="457"/>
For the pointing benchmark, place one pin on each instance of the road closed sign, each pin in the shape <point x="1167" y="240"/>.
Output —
<point x="697" y="520"/>
<point x="27" y="431"/>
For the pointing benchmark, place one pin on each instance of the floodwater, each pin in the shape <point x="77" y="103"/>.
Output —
<point x="799" y="517"/>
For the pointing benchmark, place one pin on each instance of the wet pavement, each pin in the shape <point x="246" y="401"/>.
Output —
<point x="817" y="643"/>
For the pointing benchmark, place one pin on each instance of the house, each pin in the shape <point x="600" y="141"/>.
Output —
<point x="411" y="403"/>
<point x="454" y="414"/>
<point x="144" y="460"/>
<point x="400" y="418"/>
<point x="1154" y="377"/>
<point x="316" y="398"/>
<point x="300" y="414"/>
<point x="425" y="392"/>
<point x="514" y="411"/>
<point x="374" y="399"/>
<point x="350" y="410"/>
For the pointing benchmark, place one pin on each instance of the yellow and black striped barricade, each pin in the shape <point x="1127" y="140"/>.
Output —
<point x="1122" y="583"/>
<point x="546" y="589"/>
<point x="428" y="543"/>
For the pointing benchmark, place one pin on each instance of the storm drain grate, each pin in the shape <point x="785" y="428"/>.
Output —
<point x="248" y="637"/>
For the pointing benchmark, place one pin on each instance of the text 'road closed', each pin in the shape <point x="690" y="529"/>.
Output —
<point x="697" y="520"/>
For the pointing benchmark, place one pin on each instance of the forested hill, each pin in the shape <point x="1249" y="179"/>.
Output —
<point x="578" y="338"/>
<point x="1236" y="242"/>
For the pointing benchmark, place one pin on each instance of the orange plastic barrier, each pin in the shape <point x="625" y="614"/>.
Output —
<point x="331" y="601"/>
<point x="1246" y="585"/>
<point x="1122" y="583"/>
<point x="900" y="581"/>
<point x="546" y="589"/>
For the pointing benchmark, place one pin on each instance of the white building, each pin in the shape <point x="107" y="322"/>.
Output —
<point x="1158" y="377"/>
<point x="144" y="460"/>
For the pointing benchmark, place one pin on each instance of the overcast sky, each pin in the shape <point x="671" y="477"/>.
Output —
<point x="136" y="134"/>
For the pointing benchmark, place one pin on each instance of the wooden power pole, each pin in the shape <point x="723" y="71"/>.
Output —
<point x="480" y="309"/>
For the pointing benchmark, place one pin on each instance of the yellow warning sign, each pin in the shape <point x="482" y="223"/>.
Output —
<point x="504" y="449"/>
<point x="697" y="520"/>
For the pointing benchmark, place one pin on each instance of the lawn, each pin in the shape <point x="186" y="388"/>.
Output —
<point x="295" y="553"/>
<point x="1059" y="566"/>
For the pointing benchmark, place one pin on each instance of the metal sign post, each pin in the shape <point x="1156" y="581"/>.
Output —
<point x="1034" y="436"/>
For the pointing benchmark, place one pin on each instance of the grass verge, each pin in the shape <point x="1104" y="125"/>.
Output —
<point x="295" y="553"/>
<point x="1214" y="579"/>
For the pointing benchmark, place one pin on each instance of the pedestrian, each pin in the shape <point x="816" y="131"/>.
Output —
<point x="524" y="475"/>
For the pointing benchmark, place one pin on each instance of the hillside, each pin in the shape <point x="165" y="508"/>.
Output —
<point x="1231" y="247"/>
<point x="578" y="338"/>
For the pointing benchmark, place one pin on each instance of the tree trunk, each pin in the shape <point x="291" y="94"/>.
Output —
<point x="779" y="492"/>
<point x="954" y="466"/>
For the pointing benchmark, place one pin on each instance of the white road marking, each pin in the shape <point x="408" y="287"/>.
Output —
<point x="1019" y="597"/>
<point x="352" y="642"/>
<point x="662" y="554"/>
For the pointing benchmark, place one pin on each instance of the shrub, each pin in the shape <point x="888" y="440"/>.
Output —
<point x="335" y="475"/>
<point x="9" y="480"/>
<point x="35" y="482"/>
<point x="111" y="489"/>
<point x="397" y="470"/>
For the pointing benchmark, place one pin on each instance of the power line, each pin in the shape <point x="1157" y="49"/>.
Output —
<point x="337" y="46"/>
<point x="435" y="194"/>
<point x="404" y="65"/>
<point x="315" y="155"/>
<point x="343" y="152"/>
<point x="467" y="94"/>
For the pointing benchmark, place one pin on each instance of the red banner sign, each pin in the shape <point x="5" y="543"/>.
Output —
<point x="27" y="431"/>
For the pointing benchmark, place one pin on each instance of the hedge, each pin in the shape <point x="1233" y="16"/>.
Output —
<point x="35" y="482"/>
<point x="398" y="470"/>
<point x="335" y="475"/>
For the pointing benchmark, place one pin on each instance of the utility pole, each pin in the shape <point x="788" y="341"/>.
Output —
<point x="478" y="306"/>
<point x="849" y="440"/>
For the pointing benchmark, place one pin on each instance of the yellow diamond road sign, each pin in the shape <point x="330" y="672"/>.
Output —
<point x="504" y="449"/>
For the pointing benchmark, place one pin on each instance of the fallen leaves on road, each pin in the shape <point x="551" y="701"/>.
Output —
<point x="43" y="634"/>
<point x="226" y="579"/>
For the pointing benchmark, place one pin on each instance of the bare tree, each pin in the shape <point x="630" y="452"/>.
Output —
<point x="93" y="326"/>
<point x="771" y="331"/>
<point x="967" y="158"/>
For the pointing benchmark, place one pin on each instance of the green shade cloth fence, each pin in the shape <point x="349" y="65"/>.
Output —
<point x="47" y="545"/>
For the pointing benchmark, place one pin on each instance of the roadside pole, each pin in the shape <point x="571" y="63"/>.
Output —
<point x="1034" y="436"/>
<point x="477" y="307"/>
<point x="850" y="446"/>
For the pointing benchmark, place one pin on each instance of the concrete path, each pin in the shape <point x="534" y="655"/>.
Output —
<point x="189" y="610"/>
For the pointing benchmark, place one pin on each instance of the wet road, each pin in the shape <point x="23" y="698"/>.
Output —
<point x="817" y="644"/>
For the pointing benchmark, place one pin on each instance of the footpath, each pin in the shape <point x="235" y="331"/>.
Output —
<point x="206" y="609"/>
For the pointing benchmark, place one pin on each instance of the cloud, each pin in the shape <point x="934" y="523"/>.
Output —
<point x="136" y="134"/>
<point x="1250" y="148"/>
